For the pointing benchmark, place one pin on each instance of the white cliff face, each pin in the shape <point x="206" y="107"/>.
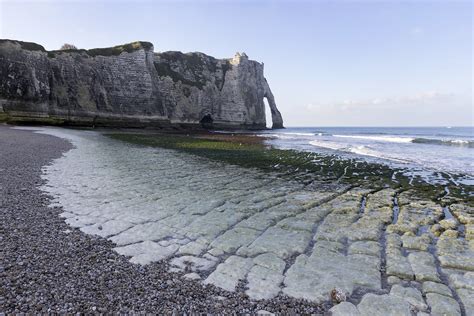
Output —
<point x="130" y="85"/>
<point x="230" y="91"/>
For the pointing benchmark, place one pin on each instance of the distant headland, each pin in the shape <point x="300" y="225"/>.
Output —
<point x="132" y="86"/>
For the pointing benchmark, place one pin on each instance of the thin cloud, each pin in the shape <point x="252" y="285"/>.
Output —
<point x="420" y="99"/>
<point x="417" y="30"/>
<point x="432" y="108"/>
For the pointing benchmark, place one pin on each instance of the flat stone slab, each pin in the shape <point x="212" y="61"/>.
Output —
<point x="244" y="230"/>
<point x="442" y="305"/>
<point x="388" y="305"/>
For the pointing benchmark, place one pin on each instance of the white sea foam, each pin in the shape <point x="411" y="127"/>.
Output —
<point x="364" y="150"/>
<point x="279" y="136"/>
<point x="299" y="134"/>
<point x="429" y="149"/>
<point x="392" y="139"/>
<point x="460" y="141"/>
<point x="358" y="150"/>
<point x="328" y="145"/>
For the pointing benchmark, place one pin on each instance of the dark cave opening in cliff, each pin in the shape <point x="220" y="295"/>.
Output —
<point x="207" y="121"/>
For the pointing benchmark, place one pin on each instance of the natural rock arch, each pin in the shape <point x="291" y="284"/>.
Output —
<point x="268" y="113"/>
<point x="277" y="120"/>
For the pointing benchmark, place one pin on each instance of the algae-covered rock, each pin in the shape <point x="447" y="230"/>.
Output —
<point x="436" y="229"/>
<point x="448" y="223"/>
<point x="450" y="233"/>
<point x="416" y="242"/>
<point x="469" y="231"/>
<point x="423" y="266"/>
<point x="464" y="213"/>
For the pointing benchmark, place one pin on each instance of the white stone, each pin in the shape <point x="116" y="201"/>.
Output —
<point x="146" y="252"/>
<point x="411" y="295"/>
<point x="192" y="276"/>
<point x="442" y="305"/>
<point x="194" y="263"/>
<point x="383" y="305"/>
<point x="228" y="274"/>
<point x="108" y="228"/>
<point x="263" y="283"/>
<point x="344" y="309"/>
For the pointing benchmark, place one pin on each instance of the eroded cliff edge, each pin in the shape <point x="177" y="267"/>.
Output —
<point x="131" y="86"/>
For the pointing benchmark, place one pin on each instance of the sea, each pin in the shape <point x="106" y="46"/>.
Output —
<point x="433" y="153"/>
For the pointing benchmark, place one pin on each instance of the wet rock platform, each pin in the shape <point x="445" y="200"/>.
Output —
<point x="240" y="229"/>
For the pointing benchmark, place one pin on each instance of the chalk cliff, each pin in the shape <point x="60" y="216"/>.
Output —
<point x="132" y="86"/>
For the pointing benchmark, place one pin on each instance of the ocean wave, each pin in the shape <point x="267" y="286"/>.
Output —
<point x="291" y="135"/>
<point x="452" y="135"/>
<point x="364" y="150"/>
<point x="358" y="150"/>
<point x="328" y="145"/>
<point x="392" y="139"/>
<point x="279" y="136"/>
<point x="415" y="140"/>
<point x="322" y="134"/>
<point x="445" y="142"/>
<point x="298" y="134"/>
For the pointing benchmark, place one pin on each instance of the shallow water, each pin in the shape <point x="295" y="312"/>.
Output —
<point x="423" y="151"/>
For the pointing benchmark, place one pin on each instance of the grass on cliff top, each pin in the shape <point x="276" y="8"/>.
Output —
<point x="107" y="51"/>
<point x="117" y="50"/>
<point x="301" y="166"/>
<point x="25" y="45"/>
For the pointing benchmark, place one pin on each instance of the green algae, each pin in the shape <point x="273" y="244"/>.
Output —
<point x="24" y="120"/>
<point x="3" y="118"/>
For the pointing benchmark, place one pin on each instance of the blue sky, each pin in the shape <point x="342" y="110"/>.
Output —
<point x="354" y="63"/>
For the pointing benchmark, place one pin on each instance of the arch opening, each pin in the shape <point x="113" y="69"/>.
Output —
<point x="207" y="121"/>
<point x="268" y="113"/>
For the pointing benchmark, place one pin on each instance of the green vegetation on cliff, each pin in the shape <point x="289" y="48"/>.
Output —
<point x="192" y="62"/>
<point x="195" y="64"/>
<point x="117" y="50"/>
<point x="107" y="51"/>
<point x="25" y="45"/>
<point x="164" y="70"/>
